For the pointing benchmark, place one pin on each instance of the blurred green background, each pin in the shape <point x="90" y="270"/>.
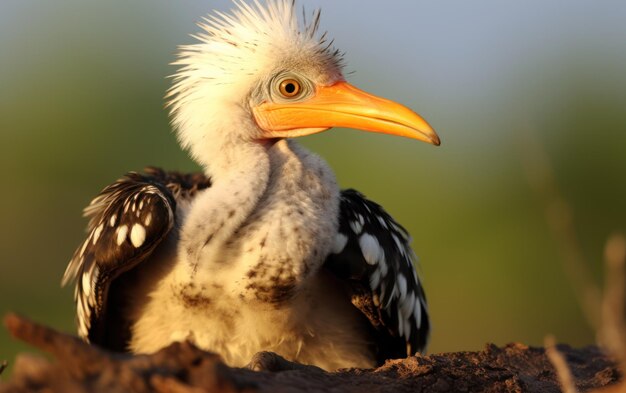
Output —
<point x="81" y="87"/>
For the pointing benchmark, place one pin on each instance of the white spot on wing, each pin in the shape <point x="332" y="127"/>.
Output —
<point x="121" y="234"/>
<point x="148" y="219"/>
<point x="382" y="263"/>
<point x="84" y="315"/>
<point x="423" y="301"/>
<point x="408" y="305"/>
<point x="375" y="279"/>
<point x="398" y="229"/>
<point x="137" y="235"/>
<point x="370" y="248"/>
<point x="392" y="294"/>
<point x="401" y="285"/>
<point x="84" y="247"/>
<point x="93" y="274"/>
<point x="398" y="244"/>
<point x="81" y="321"/>
<point x="340" y="243"/>
<point x="356" y="226"/>
<point x="97" y="232"/>
<point x="113" y="220"/>
<point x="418" y="313"/>
<point x="86" y="281"/>
<point x="382" y="291"/>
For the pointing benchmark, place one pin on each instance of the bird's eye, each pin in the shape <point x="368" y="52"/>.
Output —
<point x="289" y="88"/>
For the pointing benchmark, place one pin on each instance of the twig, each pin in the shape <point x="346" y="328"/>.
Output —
<point x="62" y="346"/>
<point x="3" y="366"/>
<point x="560" y="220"/>
<point x="560" y="365"/>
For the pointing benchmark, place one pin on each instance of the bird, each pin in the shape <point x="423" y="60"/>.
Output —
<point x="260" y="250"/>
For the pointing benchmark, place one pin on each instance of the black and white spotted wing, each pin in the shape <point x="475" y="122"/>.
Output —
<point x="372" y="253"/>
<point x="128" y="220"/>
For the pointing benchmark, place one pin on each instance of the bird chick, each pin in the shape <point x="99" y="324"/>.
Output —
<point x="261" y="251"/>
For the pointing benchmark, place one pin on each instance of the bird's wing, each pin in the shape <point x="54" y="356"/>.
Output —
<point x="372" y="253"/>
<point x="128" y="220"/>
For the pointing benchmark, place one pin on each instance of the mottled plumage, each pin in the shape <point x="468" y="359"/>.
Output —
<point x="378" y="264"/>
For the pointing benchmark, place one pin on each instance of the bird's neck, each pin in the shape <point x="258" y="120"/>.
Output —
<point x="239" y="175"/>
<point x="272" y="209"/>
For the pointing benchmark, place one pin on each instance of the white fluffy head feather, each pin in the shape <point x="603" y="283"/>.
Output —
<point x="231" y="65"/>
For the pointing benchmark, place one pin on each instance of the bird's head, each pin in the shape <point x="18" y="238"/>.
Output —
<point x="260" y="73"/>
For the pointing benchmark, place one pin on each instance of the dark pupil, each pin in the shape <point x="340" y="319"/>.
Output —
<point x="290" y="88"/>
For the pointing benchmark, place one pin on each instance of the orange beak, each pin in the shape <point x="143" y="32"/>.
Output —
<point x="342" y="105"/>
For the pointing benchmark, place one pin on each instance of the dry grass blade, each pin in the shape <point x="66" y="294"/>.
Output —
<point x="560" y="365"/>
<point x="612" y="334"/>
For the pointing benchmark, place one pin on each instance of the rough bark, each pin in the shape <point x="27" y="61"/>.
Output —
<point x="182" y="368"/>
